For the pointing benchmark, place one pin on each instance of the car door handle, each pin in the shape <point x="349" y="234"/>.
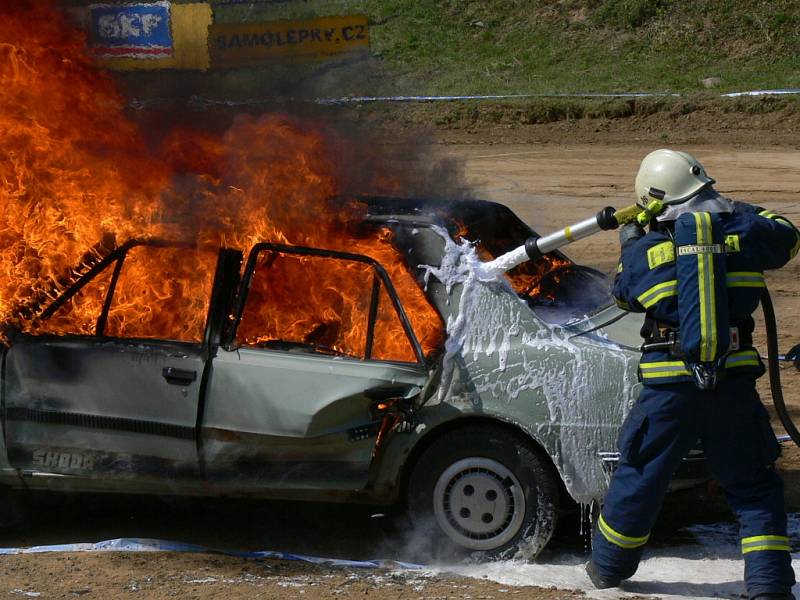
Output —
<point x="178" y="376"/>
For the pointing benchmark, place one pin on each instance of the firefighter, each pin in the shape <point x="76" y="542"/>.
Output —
<point x="697" y="275"/>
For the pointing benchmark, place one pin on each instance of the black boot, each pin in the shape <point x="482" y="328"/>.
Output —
<point x="774" y="596"/>
<point x="601" y="582"/>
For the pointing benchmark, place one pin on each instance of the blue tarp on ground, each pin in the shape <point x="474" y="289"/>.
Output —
<point x="150" y="545"/>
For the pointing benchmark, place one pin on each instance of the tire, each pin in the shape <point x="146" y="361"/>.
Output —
<point x="485" y="490"/>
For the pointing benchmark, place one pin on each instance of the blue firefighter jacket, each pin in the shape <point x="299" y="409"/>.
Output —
<point x="658" y="275"/>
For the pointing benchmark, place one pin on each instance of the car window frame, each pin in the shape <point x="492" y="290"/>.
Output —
<point x="380" y="276"/>
<point x="118" y="256"/>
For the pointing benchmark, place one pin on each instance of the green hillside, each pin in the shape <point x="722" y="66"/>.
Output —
<point x="532" y="46"/>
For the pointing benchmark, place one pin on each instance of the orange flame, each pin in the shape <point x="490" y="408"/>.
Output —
<point x="77" y="177"/>
<point x="527" y="278"/>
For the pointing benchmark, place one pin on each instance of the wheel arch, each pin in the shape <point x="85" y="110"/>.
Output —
<point x="453" y="426"/>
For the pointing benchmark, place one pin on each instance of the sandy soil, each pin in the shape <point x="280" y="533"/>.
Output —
<point x="549" y="185"/>
<point x="153" y="576"/>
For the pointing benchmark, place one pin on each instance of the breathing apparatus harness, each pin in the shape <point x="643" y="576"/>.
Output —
<point x="704" y="338"/>
<point x="704" y="344"/>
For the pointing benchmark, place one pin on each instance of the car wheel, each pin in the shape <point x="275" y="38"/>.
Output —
<point x="485" y="491"/>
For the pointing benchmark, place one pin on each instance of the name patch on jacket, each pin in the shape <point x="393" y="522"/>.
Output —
<point x="701" y="249"/>
<point x="661" y="254"/>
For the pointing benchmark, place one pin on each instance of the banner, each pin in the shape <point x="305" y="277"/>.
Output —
<point x="252" y="44"/>
<point x="140" y="30"/>
<point x="165" y="35"/>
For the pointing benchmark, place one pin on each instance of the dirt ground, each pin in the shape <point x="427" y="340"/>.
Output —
<point x="550" y="179"/>
<point x="151" y="577"/>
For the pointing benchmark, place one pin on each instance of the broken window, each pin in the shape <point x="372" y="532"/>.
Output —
<point x="388" y="344"/>
<point x="79" y="314"/>
<point x="162" y="293"/>
<point x="321" y="304"/>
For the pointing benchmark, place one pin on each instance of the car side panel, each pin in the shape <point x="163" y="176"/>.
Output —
<point x="288" y="420"/>
<point x="8" y="474"/>
<point x="101" y="411"/>
<point x="569" y="392"/>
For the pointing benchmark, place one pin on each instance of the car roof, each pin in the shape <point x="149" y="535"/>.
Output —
<point x="440" y="212"/>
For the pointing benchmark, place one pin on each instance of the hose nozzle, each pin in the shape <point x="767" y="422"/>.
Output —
<point x="654" y="208"/>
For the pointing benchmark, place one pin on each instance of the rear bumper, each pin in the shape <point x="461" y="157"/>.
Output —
<point x="692" y="471"/>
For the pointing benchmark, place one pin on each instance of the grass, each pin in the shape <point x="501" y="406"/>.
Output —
<point x="536" y="46"/>
<point x="606" y="46"/>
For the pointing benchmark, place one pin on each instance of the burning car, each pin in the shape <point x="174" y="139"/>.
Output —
<point x="484" y="403"/>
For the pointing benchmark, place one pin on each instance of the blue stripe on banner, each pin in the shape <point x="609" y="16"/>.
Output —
<point x="150" y="545"/>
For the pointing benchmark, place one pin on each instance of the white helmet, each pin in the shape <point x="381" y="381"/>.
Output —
<point x="671" y="177"/>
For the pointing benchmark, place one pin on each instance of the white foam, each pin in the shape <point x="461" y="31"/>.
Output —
<point x="709" y="568"/>
<point x="489" y="323"/>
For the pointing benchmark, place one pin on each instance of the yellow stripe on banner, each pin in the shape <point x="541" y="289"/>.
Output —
<point x="235" y="45"/>
<point x="618" y="539"/>
<point x="568" y="234"/>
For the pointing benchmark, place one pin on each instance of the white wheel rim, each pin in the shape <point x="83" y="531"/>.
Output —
<point x="479" y="503"/>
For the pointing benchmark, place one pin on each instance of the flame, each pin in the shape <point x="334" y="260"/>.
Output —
<point x="531" y="279"/>
<point x="78" y="178"/>
<point x="538" y="280"/>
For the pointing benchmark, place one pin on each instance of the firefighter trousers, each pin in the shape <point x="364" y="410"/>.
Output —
<point x="740" y="446"/>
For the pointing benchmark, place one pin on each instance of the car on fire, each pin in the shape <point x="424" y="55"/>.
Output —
<point x="511" y="417"/>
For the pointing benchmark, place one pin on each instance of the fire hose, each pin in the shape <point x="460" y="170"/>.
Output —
<point x="774" y="369"/>
<point x="609" y="218"/>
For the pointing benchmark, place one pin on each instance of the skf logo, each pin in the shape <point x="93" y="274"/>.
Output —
<point x="63" y="460"/>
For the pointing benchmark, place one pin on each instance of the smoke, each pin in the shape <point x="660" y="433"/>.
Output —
<point x="207" y="126"/>
<point x="418" y="539"/>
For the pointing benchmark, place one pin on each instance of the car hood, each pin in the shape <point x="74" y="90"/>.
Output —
<point x="614" y="325"/>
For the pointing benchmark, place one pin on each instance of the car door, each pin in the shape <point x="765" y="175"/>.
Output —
<point x="105" y="387"/>
<point x="320" y="341"/>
